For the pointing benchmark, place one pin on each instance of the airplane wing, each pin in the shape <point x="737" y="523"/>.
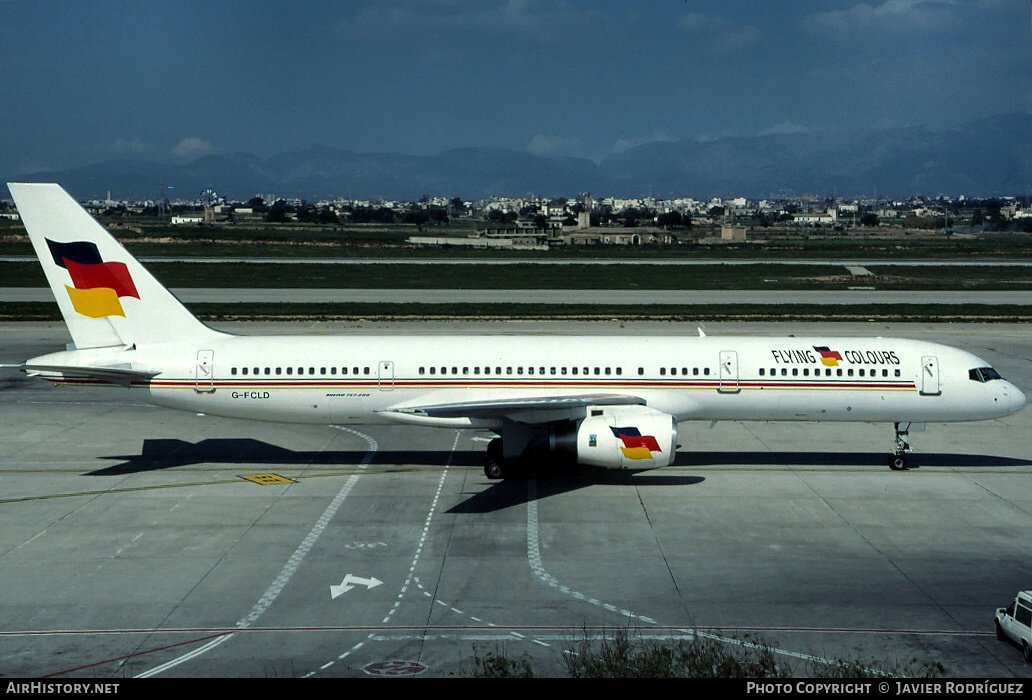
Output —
<point x="500" y="408"/>
<point x="115" y="375"/>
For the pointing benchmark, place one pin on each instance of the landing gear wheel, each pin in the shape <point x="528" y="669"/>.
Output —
<point x="898" y="462"/>
<point x="493" y="469"/>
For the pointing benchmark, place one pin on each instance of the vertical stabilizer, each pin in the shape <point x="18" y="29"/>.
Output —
<point x="106" y="296"/>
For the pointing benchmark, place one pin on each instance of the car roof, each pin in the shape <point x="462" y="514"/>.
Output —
<point x="1025" y="596"/>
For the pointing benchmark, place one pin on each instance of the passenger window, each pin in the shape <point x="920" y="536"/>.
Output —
<point x="244" y="370"/>
<point x="433" y="370"/>
<point x="861" y="372"/>
<point x="607" y="371"/>
<point x="619" y="371"/>
<point x="290" y="370"/>
<point x="519" y="370"/>
<point x="530" y="370"/>
<point x="365" y="370"/>
<point x="706" y="371"/>
<point x="268" y="370"/>
<point x="806" y="371"/>
<point x="641" y="371"/>
<point x="233" y="371"/>
<point x="562" y="370"/>
<point x="795" y="371"/>
<point x="662" y="371"/>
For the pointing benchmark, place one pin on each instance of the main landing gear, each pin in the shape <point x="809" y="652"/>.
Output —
<point x="898" y="459"/>
<point x="497" y="467"/>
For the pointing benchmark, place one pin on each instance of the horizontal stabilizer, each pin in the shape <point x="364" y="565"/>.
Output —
<point x="116" y="375"/>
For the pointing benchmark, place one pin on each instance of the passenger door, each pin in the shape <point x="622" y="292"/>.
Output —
<point x="385" y="375"/>
<point x="204" y="374"/>
<point x="930" y="376"/>
<point x="728" y="372"/>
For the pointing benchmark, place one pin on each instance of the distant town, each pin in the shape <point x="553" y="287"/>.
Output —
<point x="543" y="223"/>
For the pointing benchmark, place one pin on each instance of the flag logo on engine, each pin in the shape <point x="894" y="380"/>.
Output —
<point x="636" y="445"/>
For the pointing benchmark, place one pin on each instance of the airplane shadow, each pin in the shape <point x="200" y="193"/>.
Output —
<point x="157" y="454"/>
<point x="841" y="459"/>
<point x="559" y="480"/>
<point x="170" y="453"/>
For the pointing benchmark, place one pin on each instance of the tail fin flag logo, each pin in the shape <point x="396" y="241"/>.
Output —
<point x="636" y="445"/>
<point x="829" y="357"/>
<point x="97" y="285"/>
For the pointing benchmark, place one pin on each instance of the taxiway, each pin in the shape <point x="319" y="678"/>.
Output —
<point x="140" y="541"/>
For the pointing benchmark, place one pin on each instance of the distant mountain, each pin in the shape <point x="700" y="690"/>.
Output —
<point x="982" y="158"/>
<point x="991" y="156"/>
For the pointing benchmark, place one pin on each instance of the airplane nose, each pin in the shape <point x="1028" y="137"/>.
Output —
<point x="1017" y="399"/>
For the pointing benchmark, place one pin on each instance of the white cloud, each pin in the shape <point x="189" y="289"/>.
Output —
<point x="134" y="146"/>
<point x="785" y="127"/>
<point x="890" y="16"/>
<point x="192" y="147"/>
<point x="627" y="144"/>
<point x="719" y="33"/>
<point x="430" y="19"/>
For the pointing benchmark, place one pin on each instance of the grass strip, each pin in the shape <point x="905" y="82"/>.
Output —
<point x="905" y="313"/>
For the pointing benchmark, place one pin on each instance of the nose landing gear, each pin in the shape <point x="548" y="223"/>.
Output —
<point x="898" y="458"/>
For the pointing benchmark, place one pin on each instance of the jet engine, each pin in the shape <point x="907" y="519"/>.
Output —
<point x="617" y="437"/>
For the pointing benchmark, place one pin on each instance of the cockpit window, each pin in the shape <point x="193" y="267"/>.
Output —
<point x="983" y="374"/>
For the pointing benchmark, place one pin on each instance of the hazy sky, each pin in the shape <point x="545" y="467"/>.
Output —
<point x="169" y="80"/>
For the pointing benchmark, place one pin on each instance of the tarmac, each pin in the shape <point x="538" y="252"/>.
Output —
<point x="140" y="541"/>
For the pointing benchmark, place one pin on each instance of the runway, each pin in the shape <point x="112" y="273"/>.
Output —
<point x="633" y="260"/>
<point x="599" y="297"/>
<point x="138" y="541"/>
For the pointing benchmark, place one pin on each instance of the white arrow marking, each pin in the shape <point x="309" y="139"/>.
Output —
<point x="350" y="582"/>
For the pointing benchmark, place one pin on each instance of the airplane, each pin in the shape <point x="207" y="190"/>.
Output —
<point x="613" y="402"/>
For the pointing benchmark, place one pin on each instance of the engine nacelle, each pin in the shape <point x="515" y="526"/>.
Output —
<point x="618" y="437"/>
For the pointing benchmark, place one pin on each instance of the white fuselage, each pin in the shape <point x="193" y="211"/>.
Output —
<point x="341" y="380"/>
